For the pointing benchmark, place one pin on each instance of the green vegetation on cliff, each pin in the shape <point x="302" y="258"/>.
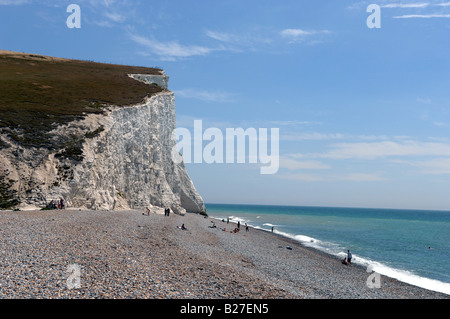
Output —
<point x="39" y="93"/>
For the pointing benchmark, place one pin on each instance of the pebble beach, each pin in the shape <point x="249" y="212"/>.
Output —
<point x="132" y="255"/>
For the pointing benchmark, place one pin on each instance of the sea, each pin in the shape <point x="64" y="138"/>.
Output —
<point x="412" y="246"/>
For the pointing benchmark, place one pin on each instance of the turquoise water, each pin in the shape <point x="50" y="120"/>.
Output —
<point x="410" y="245"/>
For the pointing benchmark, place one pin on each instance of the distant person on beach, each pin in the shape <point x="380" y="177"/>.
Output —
<point x="272" y="229"/>
<point x="344" y="261"/>
<point x="349" y="257"/>
<point x="228" y="220"/>
<point x="182" y="227"/>
<point x="246" y="227"/>
<point x="239" y="224"/>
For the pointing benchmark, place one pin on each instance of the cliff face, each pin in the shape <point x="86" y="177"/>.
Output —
<point x="123" y="162"/>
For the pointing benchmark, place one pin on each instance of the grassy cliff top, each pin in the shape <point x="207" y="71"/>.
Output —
<point x="37" y="93"/>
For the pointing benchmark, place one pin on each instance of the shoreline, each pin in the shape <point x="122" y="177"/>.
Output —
<point x="366" y="265"/>
<point x="337" y="260"/>
<point x="354" y="264"/>
<point x="357" y="264"/>
<point x="129" y="255"/>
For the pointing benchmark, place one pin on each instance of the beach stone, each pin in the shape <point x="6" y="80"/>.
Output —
<point x="170" y="263"/>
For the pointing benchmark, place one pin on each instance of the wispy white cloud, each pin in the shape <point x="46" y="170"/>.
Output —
<point x="422" y="16"/>
<point x="300" y="32"/>
<point x="351" y="177"/>
<point x="419" y="6"/>
<point x="415" y="10"/>
<point x="246" y="41"/>
<point x="429" y="157"/>
<point x="104" y="3"/>
<point x="416" y="5"/>
<point x="223" y="37"/>
<point x="265" y="38"/>
<point x="107" y="13"/>
<point x="362" y="4"/>
<point x="294" y="123"/>
<point x="296" y="33"/>
<point x="115" y="17"/>
<point x="374" y="137"/>
<point x="314" y="136"/>
<point x="301" y="177"/>
<point x="169" y="50"/>
<point x="208" y="96"/>
<point x="424" y="100"/>
<point x="300" y="35"/>
<point x="437" y="166"/>
<point x="14" y="2"/>
<point x="406" y="5"/>
<point x="293" y="164"/>
<point x="385" y="149"/>
<point x="363" y="177"/>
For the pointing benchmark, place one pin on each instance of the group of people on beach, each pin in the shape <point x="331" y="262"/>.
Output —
<point x="235" y="230"/>
<point x="59" y="204"/>
<point x="348" y="260"/>
<point x="147" y="211"/>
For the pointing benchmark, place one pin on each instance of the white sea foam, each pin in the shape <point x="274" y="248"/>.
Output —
<point x="236" y="219"/>
<point x="404" y="276"/>
<point x="232" y="219"/>
<point x="270" y="225"/>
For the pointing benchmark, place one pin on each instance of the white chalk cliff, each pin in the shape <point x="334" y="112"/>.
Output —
<point x="126" y="165"/>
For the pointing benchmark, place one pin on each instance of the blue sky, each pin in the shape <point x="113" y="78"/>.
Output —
<point x="363" y="114"/>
